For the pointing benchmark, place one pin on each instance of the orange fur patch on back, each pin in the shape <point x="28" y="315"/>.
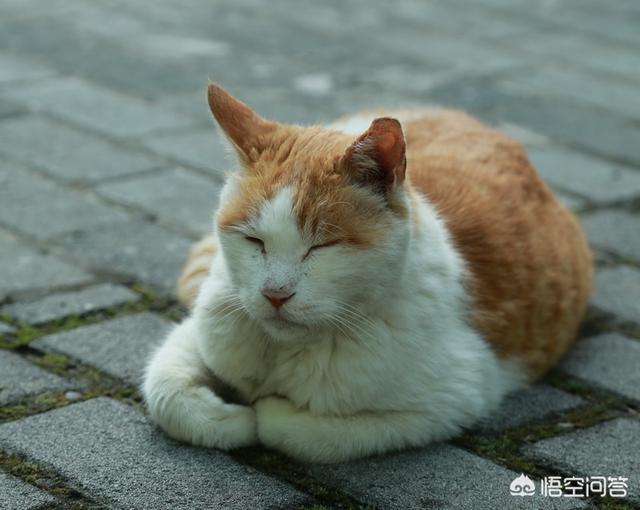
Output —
<point x="530" y="267"/>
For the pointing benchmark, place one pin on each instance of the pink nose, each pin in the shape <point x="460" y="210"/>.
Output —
<point x="277" y="297"/>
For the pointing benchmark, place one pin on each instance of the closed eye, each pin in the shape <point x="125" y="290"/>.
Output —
<point x="257" y="242"/>
<point x="319" y="246"/>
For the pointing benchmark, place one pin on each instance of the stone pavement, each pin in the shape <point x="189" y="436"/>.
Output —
<point x="109" y="169"/>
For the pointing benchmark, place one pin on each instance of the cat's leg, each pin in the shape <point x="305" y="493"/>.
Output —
<point x="318" y="438"/>
<point x="179" y="396"/>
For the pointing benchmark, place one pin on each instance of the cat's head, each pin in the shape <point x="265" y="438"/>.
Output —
<point x="313" y="224"/>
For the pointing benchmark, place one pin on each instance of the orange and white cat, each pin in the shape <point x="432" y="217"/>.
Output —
<point x="373" y="285"/>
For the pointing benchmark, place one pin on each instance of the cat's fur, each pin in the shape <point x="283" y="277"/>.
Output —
<point x="425" y="301"/>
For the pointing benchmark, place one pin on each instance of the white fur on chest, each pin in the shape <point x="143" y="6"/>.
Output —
<point x="415" y="351"/>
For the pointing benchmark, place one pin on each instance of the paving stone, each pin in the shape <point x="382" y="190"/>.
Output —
<point x="140" y="250"/>
<point x="6" y="328"/>
<point x="18" y="495"/>
<point x="25" y="269"/>
<point x="572" y="124"/>
<point x="111" y="452"/>
<point x="439" y="16"/>
<point x="96" y="107"/>
<point x="57" y="306"/>
<point x="18" y="68"/>
<point x="441" y="476"/>
<point x="609" y="94"/>
<point x="611" y="61"/>
<point x="176" y="196"/>
<point x="8" y="109"/>
<point x="44" y="209"/>
<point x="610" y="360"/>
<point x="593" y="178"/>
<point x="528" y="406"/>
<point x="201" y="149"/>
<point x="69" y="153"/>
<point x="615" y="231"/>
<point x="607" y="449"/>
<point x="21" y="379"/>
<point x="617" y="290"/>
<point x="447" y="49"/>
<point x="120" y="347"/>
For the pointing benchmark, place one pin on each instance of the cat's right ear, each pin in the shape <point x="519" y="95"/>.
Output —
<point x="246" y="130"/>
<point x="377" y="158"/>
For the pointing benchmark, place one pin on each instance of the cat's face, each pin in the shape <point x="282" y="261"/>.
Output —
<point x="313" y="226"/>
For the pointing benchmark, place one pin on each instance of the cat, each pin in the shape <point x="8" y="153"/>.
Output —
<point x="377" y="284"/>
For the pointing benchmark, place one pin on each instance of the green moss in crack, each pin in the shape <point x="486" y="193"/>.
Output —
<point x="56" y="363"/>
<point x="502" y="450"/>
<point x="284" y="468"/>
<point x="608" y="503"/>
<point x="33" y="405"/>
<point x="24" y="335"/>
<point x="42" y="478"/>
<point x="576" y="386"/>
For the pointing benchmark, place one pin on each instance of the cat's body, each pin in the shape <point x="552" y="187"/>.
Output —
<point x="378" y="314"/>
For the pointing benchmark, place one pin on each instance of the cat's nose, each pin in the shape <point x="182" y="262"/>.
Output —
<point x="277" y="297"/>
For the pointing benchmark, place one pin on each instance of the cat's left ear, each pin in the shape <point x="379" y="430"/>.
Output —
<point x="377" y="157"/>
<point x="246" y="130"/>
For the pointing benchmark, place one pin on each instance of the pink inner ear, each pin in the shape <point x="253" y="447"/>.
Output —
<point x="384" y="143"/>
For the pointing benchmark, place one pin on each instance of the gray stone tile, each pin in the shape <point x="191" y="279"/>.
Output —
<point x="572" y="124"/>
<point x="176" y="197"/>
<point x="615" y="231"/>
<point x="15" y="67"/>
<point x="110" y="451"/>
<point x="201" y="149"/>
<point x="96" y="107"/>
<point x="69" y="153"/>
<point x="21" y="379"/>
<point x="44" y="209"/>
<point x="18" y="495"/>
<point x="596" y="179"/>
<point x="120" y="347"/>
<point x="447" y="49"/>
<point x="63" y="304"/>
<point x="607" y="93"/>
<point x="25" y="269"/>
<point x="440" y="476"/>
<point x="579" y="49"/>
<point x="140" y="250"/>
<point x="8" y="109"/>
<point x="529" y="406"/>
<point x="609" y="360"/>
<point x="6" y="328"/>
<point x="617" y="290"/>
<point x="608" y="449"/>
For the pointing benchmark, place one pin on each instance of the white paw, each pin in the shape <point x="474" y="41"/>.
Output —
<point x="199" y="417"/>
<point x="283" y="427"/>
<point x="275" y="417"/>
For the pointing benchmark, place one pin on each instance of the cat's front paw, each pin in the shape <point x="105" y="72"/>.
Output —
<point x="294" y="431"/>
<point x="198" y="416"/>
<point x="275" y="417"/>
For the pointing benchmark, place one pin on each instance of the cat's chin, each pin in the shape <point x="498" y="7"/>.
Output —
<point x="285" y="330"/>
